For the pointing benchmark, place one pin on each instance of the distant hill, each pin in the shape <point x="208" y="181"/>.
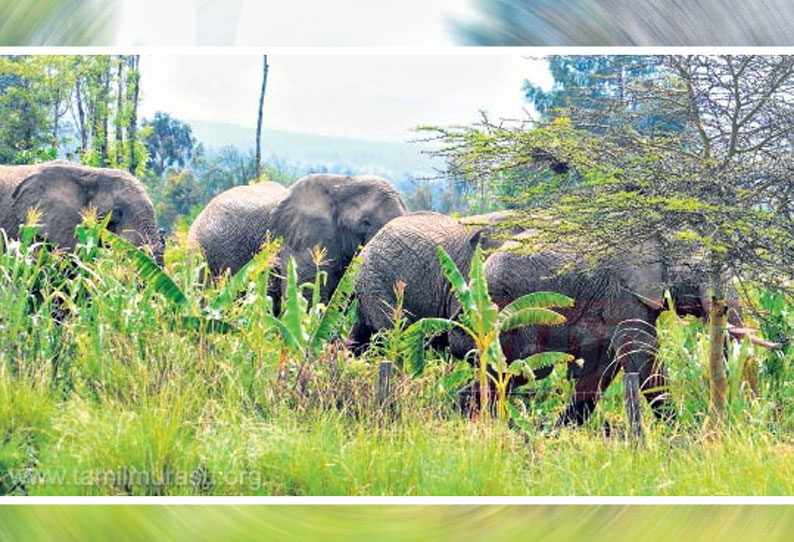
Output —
<point x="306" y="152"/>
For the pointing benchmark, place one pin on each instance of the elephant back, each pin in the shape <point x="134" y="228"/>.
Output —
<point x="406" y="250"/>
<point x="232" y="227"/>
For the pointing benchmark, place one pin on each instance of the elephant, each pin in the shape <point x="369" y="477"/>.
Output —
<point x="60" y="190"/>
<point x="231" y="229"/>
<point x="406" y="250"/>
<point x="617" y="304"/>
<point x="336" y="212"/>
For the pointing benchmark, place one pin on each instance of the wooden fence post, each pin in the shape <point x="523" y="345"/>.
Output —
<point x="384" y="384"/>
<point x="631" y="390"/>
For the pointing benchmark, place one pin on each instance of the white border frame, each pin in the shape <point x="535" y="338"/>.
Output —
<point x="389" y="500"/>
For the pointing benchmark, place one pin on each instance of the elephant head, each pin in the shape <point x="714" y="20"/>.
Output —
<point x="647" y="276"/>
<point x="491" y="230"/>
<point x="336" y="212"/>
<point x="61" y="191"/>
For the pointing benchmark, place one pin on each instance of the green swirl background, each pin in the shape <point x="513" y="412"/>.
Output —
<point x="58" y="22"/>
<point x="388" y="523"/>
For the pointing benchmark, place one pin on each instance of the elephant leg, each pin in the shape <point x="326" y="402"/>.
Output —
<point x="636" y="351"/>
<point x="576" y="413"/>
<point x="588" y="390"/>
<point x="653" y="385"/>
<point x="469" y="398"/>
<point x="360" y="336"/>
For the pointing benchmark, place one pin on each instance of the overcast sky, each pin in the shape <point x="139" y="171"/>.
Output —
<point x="379" y="97"/>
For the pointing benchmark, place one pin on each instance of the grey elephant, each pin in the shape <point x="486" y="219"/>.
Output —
<point x="617" y="304"/>
<point x="61" y="190"/>
<point x="231" y="229"/>
<point x="406" y="250"/>
<point x="336" y="212"/>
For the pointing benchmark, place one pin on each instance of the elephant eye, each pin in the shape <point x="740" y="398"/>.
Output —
<point x="365" y="222"/>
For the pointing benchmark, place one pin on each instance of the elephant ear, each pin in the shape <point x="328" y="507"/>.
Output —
<point x="475" y="238"/>
<point x="59" y="192"/>
<point x="704" y="295"/>
<point x="305" y="217"/>
<point x="492" y="230"/>
<point x="641" y="274"/>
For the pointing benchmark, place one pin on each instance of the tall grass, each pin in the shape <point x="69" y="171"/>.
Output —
<point x="104" y="391"/>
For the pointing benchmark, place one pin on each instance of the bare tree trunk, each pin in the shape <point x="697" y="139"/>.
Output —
<point x="81" y="118"/>
<point x="133" y="82"/>
<point x="265" y="67"/>
<point x="56" y="118"/>
<point x="718" y="380"/>
<point x="103" y="144"/>
<point x="119" y="124"/>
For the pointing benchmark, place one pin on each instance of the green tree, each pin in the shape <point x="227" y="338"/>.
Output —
<point x="25" y="107"/>
<point x="182" y="192"/>
<point x="70" y="105"/>
<point x="169" y="142"/>
<point x="225" y="168"/>
<point x="420" y="199"/>
<point x="134" y="154"/>
<point x="719" y="188"/>
<point x="98" y="77"/>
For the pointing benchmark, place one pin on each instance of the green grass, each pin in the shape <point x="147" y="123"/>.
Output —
<point x="120" y="398"/>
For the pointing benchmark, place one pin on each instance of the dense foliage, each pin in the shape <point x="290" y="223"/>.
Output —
<point x="82" y="107"/>
<point x="109" y="386"/>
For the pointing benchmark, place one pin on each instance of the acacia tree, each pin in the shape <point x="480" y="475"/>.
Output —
<point x="719" y="187"/>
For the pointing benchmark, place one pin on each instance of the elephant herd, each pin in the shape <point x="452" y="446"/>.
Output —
<point x="338" y="213"/>
<point x="343" y="213"/>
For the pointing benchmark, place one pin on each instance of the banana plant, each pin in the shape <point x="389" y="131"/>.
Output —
<point x="482" y="321"/>
<point x="192" y="315"/>
<point x="305" y="329"/>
